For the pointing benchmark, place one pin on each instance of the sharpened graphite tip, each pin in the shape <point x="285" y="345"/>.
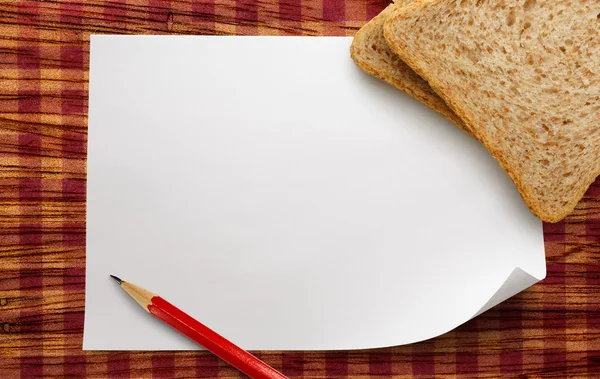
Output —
<point x="118" y="280"/>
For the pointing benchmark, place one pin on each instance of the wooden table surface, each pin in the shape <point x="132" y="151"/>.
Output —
<point x="550" y="330"/>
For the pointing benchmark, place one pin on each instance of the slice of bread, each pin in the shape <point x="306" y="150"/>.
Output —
<point x="524" y="75"/>
<point x="371" y="52"/>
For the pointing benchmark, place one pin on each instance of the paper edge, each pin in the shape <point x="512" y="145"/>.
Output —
<point x="517" y="281"/>
<point x="85" y="341"/>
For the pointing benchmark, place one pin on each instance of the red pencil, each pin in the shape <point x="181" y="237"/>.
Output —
<point x="210" y="340"/>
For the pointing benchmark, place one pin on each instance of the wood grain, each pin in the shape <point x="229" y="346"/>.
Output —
<point x="551" y="330"/>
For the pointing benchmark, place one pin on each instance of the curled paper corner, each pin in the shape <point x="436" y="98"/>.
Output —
<point x="518" y="281"/>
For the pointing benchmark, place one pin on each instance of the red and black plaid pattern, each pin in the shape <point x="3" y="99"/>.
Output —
<point x="551" y="330"/>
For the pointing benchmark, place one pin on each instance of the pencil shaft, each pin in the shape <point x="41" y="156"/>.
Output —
<point x="212" y="341"/>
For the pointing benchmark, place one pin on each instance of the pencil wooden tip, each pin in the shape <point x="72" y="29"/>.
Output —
<point x="118" y="280"/>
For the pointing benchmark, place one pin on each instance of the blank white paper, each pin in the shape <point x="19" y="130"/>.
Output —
<point x="278" y="194"/>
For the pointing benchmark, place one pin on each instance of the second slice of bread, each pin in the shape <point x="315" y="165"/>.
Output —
<point x="371" y="52"/>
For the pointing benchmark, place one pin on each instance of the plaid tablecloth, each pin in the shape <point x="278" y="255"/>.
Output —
<point x="550" y="330"/>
